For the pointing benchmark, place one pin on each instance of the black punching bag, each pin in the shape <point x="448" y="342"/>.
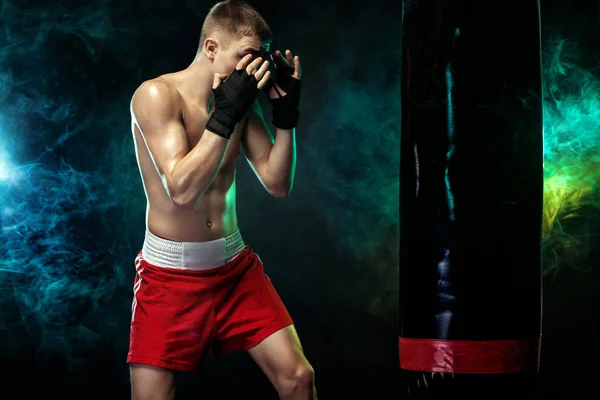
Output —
<point x="471" y="187"/>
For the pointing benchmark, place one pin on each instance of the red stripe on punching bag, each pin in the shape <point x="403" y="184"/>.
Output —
<point x="470" y="357"/>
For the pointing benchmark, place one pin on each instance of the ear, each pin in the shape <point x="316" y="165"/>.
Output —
<point x="210" y="47"/>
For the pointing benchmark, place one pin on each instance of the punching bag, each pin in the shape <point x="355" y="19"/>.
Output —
<point x="471" y="194"/>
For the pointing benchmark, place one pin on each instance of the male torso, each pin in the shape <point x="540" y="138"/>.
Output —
<point x="214" y="215"/>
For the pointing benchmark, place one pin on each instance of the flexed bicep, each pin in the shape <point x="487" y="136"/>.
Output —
<point x="155" y="112"/>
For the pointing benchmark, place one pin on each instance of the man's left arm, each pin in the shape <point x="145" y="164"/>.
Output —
<point x="272" y="159"/>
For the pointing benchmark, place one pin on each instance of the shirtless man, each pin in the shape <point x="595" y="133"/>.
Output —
<point x="197" y="285"/>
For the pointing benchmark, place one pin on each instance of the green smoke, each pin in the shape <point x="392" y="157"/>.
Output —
<point x="572" y="160"/>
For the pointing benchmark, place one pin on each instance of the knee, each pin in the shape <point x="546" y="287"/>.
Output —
<point x="299" y="379"/>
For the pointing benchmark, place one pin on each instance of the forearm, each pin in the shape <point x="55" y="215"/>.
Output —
<point x="194" y="174"/>
<point x="281" y="165"/>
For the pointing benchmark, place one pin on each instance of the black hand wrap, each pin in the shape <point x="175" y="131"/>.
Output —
<point x="233" y="98"/>
<point x="285" y="108"/>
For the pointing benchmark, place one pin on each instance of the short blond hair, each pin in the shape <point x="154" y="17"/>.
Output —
<point x="236" y="18"/>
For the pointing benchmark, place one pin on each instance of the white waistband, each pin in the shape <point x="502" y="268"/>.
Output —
<point x="192" y="255"/>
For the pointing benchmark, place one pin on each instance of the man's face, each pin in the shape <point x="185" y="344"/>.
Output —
<point x="228" y="56"/>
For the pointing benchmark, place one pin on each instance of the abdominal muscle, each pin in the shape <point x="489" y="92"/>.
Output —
<point x="213" y="217"/>
<point x="214" y="214"/>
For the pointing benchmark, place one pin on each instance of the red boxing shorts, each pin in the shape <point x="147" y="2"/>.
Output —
<point x="193" y="297"/>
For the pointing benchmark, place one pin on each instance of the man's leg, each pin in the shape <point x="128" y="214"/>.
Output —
<point x="282" y="359"/>
<point x="151" y="383"/>
<point x="171" y="325"/>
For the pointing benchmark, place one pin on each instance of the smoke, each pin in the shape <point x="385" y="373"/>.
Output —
<point x="68" y="181"/>
<point x="71" y="202"/>
<point x="572" y="161"/>
<point x="52" y="273"/>
<point x="350" y="161"/>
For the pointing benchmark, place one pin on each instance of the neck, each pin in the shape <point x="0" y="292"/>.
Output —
<point x="197" y="79"/>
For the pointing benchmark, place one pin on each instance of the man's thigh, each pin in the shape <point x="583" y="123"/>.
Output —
<point x="151" y="383"/>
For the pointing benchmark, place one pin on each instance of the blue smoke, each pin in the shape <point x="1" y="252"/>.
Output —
<point x="68" y="183"/>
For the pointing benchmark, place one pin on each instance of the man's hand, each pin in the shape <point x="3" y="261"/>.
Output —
<point x="285" y="92"/>
<point x="287" y="68"/>
<point x="235" y="94"/>
<point x="261" y="74"/>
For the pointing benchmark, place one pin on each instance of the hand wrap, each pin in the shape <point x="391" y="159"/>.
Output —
<point x="285" y="108"/>
<point x="233" y="98"/>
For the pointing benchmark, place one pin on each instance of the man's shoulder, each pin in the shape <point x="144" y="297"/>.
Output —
<point x="157" y="86"/>
<point x="158" y="92"/>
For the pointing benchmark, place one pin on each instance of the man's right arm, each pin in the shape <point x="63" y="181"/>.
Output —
<point x="186" y="173"/>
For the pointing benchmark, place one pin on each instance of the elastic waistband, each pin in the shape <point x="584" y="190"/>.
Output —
<point x="192" y="255"/>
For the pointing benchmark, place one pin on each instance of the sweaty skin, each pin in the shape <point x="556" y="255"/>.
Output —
<point x="189" y="173"/>
<point x="213" y="215"/>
